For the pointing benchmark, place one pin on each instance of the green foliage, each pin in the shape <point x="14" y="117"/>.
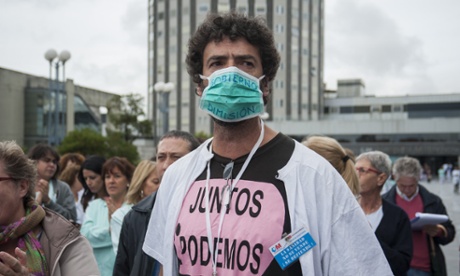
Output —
<point x="90" y="142"/>
<point x="202" y="136"/>
<point x="117" y="146"/>
<point x="85" y="141"/>
<point x="124" y="112"/>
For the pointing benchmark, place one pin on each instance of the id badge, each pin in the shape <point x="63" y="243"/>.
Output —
<point x="291" y="247"/>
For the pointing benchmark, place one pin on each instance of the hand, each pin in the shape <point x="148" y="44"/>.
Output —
<point x="43" y="187"/>
<point x="110" y="206"/>
<point x="9" y="265"/>
<point x="38" y="197"/>
<point x="431" y="230"/>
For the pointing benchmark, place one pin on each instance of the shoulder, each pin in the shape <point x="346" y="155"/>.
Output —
<point x="61" y="184"/>
<point x="57" y="228"/>
<point x="390" y="195"/>
<point x="389" y="207"/>
<point x="96" y="203"/>
<point x="122" y="211"/>
<point x="145" y="204"/>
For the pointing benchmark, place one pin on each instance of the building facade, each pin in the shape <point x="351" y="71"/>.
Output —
<point x="298" y="29"/>
<point x="422" y="126"/>
<point x="30" y="105"/>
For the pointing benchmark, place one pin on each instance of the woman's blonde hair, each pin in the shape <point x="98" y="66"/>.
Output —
<point x="143" y="170"/>
<point x="332" y="151"/>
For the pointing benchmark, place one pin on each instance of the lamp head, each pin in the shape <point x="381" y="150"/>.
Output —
<point x="169" y="87"/>
<point x="50" y="55"/>
<point x="64" y="56"/>
<point x="159" y="87"/>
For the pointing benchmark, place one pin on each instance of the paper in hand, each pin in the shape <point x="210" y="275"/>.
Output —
<point x="422" y="219"/>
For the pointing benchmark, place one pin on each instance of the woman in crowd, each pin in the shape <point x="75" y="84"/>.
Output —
<point x="333" y="152"/>
<point x="70" y="176"/>
<point x="117" y="173"/>
<point x="50" y="192"/>
<point x="390" y="223"/>
<point x="35" y="240"/>
<point x="145" y="181"/>
<point x="70" y="159"/>
<point x="90" y="176"/>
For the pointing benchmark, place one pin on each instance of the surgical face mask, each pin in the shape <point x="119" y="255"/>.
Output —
<point x="232" y="95"/>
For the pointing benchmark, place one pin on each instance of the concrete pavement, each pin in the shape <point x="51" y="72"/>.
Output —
<point x="452" y="203"/>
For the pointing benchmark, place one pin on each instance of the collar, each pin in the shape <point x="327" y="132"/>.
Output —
<point x="403" y="196"/>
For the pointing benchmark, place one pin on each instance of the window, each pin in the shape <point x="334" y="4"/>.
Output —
<point x="397" y="108"/>
<point x="362" y="109"/>
<point x="260" y="10"/>
<point x="386" y="108"/>
<point x="295" y="31"/>
<point x="203" y="8"/>
<point x="280" y="9"/>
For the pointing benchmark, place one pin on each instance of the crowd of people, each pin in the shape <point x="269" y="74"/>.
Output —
<point x="248" y="201"/>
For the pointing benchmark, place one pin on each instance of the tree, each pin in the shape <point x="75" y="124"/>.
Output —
<point x="117" y="146"/>
<point x="124" y="114"/>
<point x="85" y="141"/>
<point x="90" y="142"/>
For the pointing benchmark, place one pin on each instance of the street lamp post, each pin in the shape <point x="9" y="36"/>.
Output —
<point x="55" y="136"/>
<point x="164" y="89"/>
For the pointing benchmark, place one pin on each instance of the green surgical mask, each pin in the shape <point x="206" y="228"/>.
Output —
<point x="232" y="95"/>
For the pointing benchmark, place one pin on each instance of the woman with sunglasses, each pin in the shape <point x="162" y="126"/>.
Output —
<point x="389" y="222"/>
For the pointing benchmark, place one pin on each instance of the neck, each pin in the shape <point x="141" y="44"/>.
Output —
<point x="75" y="194"/>
<point x="370" y="203"/>
<point x="235" y="141"/>
<point x="118" y="200"/>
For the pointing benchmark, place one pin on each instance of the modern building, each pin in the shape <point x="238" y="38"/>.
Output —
<point x="298" y="29"/>
<point x="422" y="126"/>
<point x="28" y="113"/>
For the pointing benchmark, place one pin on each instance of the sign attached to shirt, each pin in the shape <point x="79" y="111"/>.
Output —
<point x="252" y="224"/>
<point x="290" y="248"/>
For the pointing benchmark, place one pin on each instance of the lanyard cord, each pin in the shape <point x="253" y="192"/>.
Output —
<point x="227" y="196"/>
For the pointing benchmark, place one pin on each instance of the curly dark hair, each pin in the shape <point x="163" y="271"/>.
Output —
<point x="233" y="25"/>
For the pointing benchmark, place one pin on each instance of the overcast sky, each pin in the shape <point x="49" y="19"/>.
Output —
<point x="396" y="47"/>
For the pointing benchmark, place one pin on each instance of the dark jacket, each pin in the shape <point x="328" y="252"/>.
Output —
<point x="131" y="260"/>
<point x="395" y="236"/>
<point x="432" y="204"/>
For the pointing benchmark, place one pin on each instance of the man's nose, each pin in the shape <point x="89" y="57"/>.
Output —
<point x="167" y="163"/>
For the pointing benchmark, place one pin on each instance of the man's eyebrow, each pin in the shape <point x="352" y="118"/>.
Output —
<point x="245" y="57"/>
<point x="215" y="57"/>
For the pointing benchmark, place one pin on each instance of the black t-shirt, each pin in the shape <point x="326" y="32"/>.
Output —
<point x="257" y="218"/>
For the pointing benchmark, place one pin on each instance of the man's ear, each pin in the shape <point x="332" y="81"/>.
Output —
<point x="264" y="87"/>
<point x="199" y="89"/>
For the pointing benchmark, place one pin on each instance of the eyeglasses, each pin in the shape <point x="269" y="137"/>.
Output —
<point x="48" y="160"/>
<point x="367" y="170"/>
<point x="228" y="177"/>
<point x="7" y="178"/>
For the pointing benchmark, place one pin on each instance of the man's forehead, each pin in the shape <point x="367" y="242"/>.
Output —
<point x="173" y="144"/>
<point x="407" y="181"/>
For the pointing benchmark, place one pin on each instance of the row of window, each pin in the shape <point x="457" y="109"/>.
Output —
<point x="425" y="110"/>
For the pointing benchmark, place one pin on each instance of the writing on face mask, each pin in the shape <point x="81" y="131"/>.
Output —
<point x="235" y="79"/>
<point x="240" y="114"/>
<point x="232" y="95"/>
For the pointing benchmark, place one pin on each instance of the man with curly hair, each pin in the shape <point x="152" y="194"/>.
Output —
<point x="250" y="200"/>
